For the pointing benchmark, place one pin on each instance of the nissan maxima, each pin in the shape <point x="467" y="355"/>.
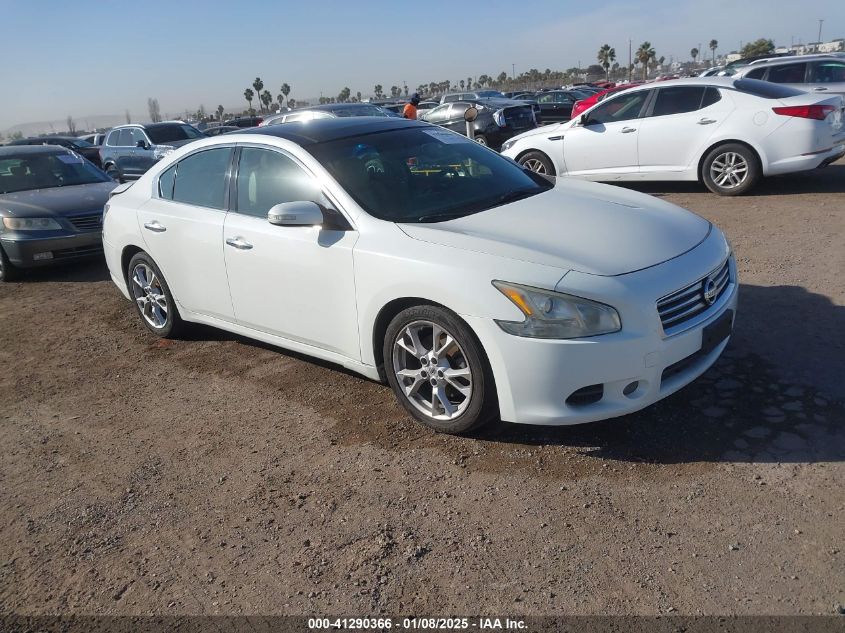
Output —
<point x="411" y="255"/>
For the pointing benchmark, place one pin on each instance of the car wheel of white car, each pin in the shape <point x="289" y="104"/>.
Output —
<point x="152" y="297"/>
<point x="537" y="162"/>
<point x="730" y="169"/>
<point x="437" y="370"/>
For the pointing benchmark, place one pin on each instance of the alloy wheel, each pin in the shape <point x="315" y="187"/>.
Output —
<point x="729" y="170"/>
<point x="149" y="295"/>
<point x="535" y="165"/>
<point x="432" y="370"/>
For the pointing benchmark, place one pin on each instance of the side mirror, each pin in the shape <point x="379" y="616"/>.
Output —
<point x="141" y="144"/>
<point x="301" y="213"/>
<point x="583" y="120"/>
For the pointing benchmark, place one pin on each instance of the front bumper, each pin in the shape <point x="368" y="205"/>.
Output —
<point x="27" y="251"/>
<point x="559" y="382"/>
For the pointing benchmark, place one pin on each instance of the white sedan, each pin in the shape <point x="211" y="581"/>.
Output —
<point x="727" y="133"/>
<point x="411" y="255"/>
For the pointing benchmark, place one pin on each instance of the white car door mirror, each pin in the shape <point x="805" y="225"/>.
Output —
<point x="300" y="213"/>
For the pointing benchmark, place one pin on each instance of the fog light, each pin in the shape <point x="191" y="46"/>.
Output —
<point x="631" y="387"/>
<point x="40" y="256"/>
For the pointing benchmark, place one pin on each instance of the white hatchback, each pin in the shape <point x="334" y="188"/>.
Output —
<point x="410" y="254"/>
<point x="725" y="132"/>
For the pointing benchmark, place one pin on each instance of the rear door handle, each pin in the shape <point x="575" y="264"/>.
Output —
<point x="155" y="226"/>
<point x="628" y="130"/>
<point x="238" y="242"/>
<point x="706" y="121"/>
<point x="820" y="89"/>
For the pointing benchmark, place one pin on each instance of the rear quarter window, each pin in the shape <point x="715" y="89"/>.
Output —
<point x="765" y="89"/>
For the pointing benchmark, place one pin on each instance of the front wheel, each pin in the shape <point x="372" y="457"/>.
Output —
<point x="153" y="298"/>
<point x="537" y="162"/>
<point x="437" y="369"/>
<point x="730" y="170"/>
<point x="481" y="140"/>
<point x="114" y="173"/>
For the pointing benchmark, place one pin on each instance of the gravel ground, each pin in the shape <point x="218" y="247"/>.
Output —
<point x="218" y="476"/>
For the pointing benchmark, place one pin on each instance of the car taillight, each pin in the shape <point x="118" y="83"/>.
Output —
<point x="818" y="112"/>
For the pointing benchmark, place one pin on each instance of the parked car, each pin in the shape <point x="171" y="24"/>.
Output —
<point x="427" y="105"/>
<point x="408" y="254"/>
<point x="51" y="208"/>
<point x="556" y="105"/>
<point x="245" y="121"/>
<point x="497" y="121"/>
<point x="132" y="149"/>
<point x="816" y="73"/>
<point x="78" y="145"/>
<point x="471" y="95"/>
<point x="585" y="104"/>
<point x="96" y="138"/>
<point x="220" y="129"/>
<point x="725" y="132"/>
<point x="330" y="111"/>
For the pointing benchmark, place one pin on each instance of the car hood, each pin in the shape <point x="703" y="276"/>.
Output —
<point x="583" y="226"/>
<point x="56" y="201"/>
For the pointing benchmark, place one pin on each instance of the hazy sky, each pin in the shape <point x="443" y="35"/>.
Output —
<point x="85" y="57"/>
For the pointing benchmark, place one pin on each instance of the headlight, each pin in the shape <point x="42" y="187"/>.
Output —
<point x="161" y="151"/>
<point x="499" y="118"/>
<point x="31" y="224"/>
<point x="556" y="315"/>
<point x="508" y="144"/>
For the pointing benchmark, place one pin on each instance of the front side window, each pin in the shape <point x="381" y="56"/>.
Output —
<point x="827" y="72"/>
<point x="201" y="178"/>
<point x="622" y="108"/>
<point x="424" y="174"/>
<point x="125" y="138"/>
<point x="787" y="74"/>
<point x="267" y="178"/>
<point x="562" y="97"/>
<point x="546" y="98"/>
<point x="137" y="135"/>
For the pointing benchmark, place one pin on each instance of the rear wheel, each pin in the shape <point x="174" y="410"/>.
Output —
<point x="153" y="298"/>
<point x="730" y="169"/>
<point x="437" y="369"/>
<point x="114" y="173"/>
<point x="537" y="162"/>
<point x="7" y="271"/>
<point x="481" y="140"/>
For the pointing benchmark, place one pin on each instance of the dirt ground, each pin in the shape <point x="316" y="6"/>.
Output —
<point x="218" y="476"/>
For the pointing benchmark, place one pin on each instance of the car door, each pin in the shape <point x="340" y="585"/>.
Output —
<point x="455" y="117"/>
<point x="678" y="125"/>
<point x="827" y="76"/>
<point x="141" y="158"/>
<point x="296" y="282"/>
<point x="605" y="146"/>
<point x="182" y="227"/>
<point x="548" y="107"/>
<point x="124" y="152"/>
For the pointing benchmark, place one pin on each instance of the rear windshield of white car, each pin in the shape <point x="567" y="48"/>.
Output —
<point x="424" y="174"/>
<point x="766" y="89"/>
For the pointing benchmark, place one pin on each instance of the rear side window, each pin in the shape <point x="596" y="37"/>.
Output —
<point x="125" y="138"/>
<point x="827" y="72"/>
<point x="787" y="74"/>
<point x="201" y="178"/>
<point x="677" y="100"/>
<point x="165" y="183"/>
<point x="765" y="89"/>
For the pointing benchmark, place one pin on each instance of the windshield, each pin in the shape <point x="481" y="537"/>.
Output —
<point x="43" y="171"/>
<point x="169" y="133"/>
<point x="81" y="142"/>
<point x="424" y="174"/>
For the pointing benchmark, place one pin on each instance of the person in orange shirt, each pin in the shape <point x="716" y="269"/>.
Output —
<point x="410" y="109"/>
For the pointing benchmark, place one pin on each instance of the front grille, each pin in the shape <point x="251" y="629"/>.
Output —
<point x="87" y="222"/>
<point x="78" y="251"/>
<point x="687" y="303"/>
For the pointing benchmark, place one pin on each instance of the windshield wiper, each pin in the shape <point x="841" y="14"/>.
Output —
<point x="513" y="196"/>
<point x="440" y="217"/>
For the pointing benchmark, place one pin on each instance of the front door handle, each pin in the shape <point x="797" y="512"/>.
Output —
<point x="628" y="130"/>
<point x="820" y="89"/>
<point x="238" y="242"/>
<point x="155" y="226"/>
<point x="706" y="121"/>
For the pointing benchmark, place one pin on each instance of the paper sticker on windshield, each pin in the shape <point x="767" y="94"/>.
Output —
<point x="70" y="159"/>
<point x="445" y="136"/>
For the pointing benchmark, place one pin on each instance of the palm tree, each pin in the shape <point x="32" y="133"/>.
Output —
<point x="461" y="84"/>
<point x="220" y="111"/>
<point x="606" y="57"/>
<point x="378" y="91"/>
<point x="291" y="103"/>
<point x="714" y="44"/>
<point x="266" y="99"/>
<point x="248" y="95"/>
<point x="259" y="86"/>
<point x="285" y="89"/>
<point x="358" y="96"/>
<point x="645" y="53"/>
<point x="693" y="53"/>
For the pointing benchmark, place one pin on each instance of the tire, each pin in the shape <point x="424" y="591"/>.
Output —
<point x="114" y="173"/>
<point x="8" y="272"/>
<point x="481" y="140"/>
<point x="152" y="297"/>
<point x="470" y="393"/>
<point x="537" y="162"/>
<point x="730" y="169"/>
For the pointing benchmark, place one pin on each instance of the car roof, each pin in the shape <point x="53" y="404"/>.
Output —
<point x="338" y="106"/>
<point x="323" y="130"/>
<point x="7" y="151"/>
<point x="795" y="59"/>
